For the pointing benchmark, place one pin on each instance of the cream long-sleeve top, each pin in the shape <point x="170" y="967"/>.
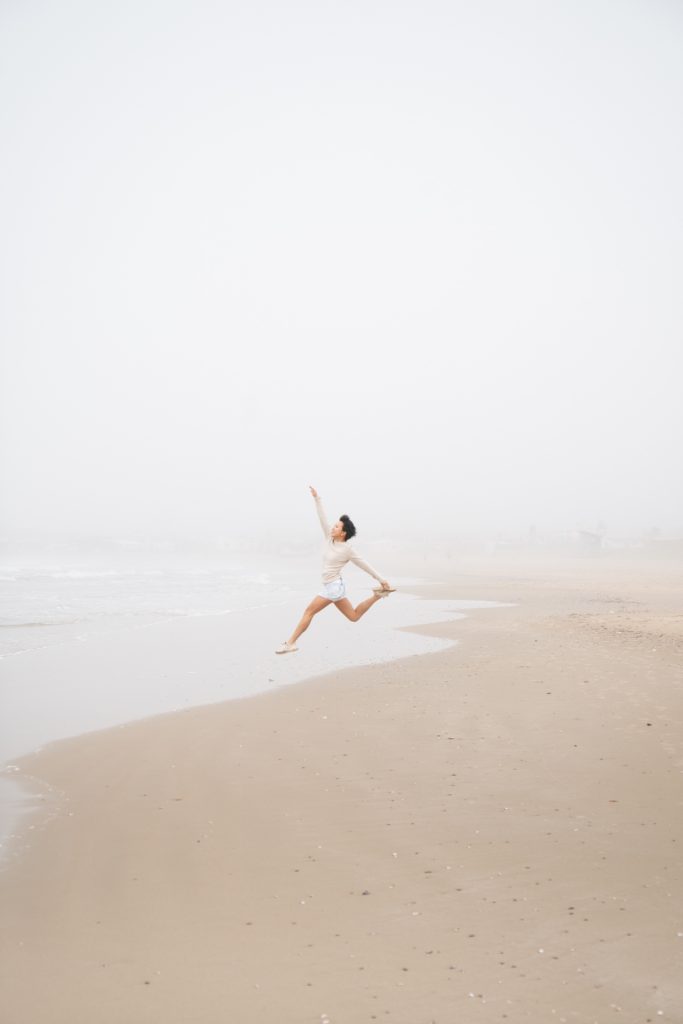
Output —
<point x="337" y="553"/>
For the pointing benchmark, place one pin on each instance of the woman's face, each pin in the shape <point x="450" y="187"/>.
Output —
<point x="337" y="531"/>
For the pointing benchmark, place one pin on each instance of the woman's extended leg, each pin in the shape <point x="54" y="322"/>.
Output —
<point x="354" y="614"/>
<point x="316" y="605"/>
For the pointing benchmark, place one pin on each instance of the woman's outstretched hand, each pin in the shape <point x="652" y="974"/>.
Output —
<point x="313" y="491"/>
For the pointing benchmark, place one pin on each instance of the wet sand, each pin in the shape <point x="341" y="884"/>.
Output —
<point x="491" y="832"/>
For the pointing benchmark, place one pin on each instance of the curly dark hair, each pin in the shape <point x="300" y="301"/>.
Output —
<point x="349" y="528"/>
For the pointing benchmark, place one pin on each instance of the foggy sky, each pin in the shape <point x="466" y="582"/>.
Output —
<point x="425" y="256"/>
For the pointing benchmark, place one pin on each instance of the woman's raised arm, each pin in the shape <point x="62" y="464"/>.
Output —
<point x="321" y="512"/>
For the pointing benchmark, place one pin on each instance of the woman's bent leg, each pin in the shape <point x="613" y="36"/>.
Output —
<point x="316" y="605"/>
<point x="354" y="614"/>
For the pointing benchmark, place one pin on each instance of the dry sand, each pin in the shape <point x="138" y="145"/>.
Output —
<point x="493" y="832"/>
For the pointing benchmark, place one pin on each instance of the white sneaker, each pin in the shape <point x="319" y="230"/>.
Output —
<point x="286" y="648"/>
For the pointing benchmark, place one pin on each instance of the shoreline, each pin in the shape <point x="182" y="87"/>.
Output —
<point x="52" y="693"/>
<point x="65" y="691"/>
<point x="492" y="825"/>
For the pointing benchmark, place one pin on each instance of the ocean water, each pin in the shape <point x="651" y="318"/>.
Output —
<point x="49" y="597"/>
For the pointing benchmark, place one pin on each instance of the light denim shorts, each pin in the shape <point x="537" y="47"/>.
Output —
<point x="334" y="590"/>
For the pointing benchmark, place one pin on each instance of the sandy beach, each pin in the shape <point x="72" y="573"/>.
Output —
<point x="490" y="832"/>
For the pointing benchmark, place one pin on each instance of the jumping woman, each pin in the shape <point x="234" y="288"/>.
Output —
<point x="336" y="554"/>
